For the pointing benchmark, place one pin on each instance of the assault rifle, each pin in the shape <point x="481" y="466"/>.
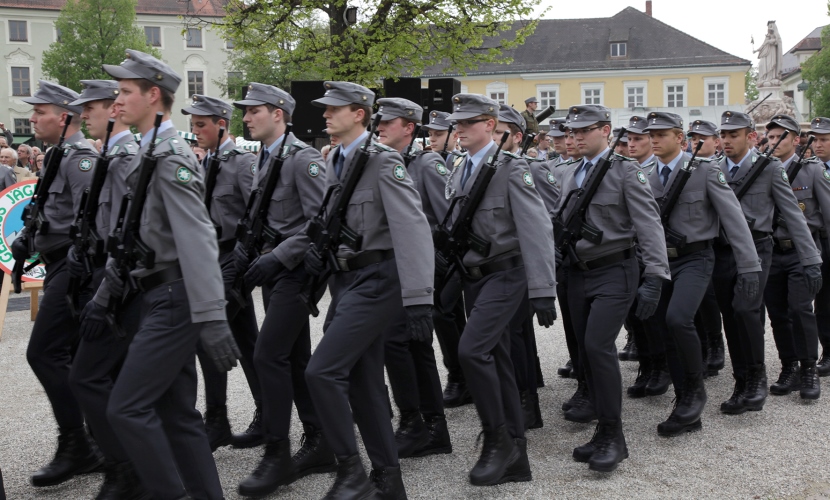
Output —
<point x="409" y="152"/>
<point x="668" y="201"/>
<point x="755" y="171"/>
<point x="792" y="171"/>
<point x="210" y="182"/>
<point x="444" y="153"/>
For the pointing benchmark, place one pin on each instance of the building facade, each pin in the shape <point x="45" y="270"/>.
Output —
<point x="793" y="84"/>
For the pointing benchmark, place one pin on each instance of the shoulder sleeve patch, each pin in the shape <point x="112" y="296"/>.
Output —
<point x="641" y="177"/>
<point x="551" y="179"/>
<point x="184" y="175"/>
<point x="85" y="164"/>
<point x="399" y="172"/>
<point x="313" y="169"/>
<point x="527" y="178"/>
<point x="253" y="168"/>
<point x="440" y="168"/>
<point x="721" y="177"/>
<point x="784" y="176"/>
<point x="826" y="174"/>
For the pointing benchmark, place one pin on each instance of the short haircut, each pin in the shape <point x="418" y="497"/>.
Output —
<point x="26" y="148"/>
<point x="167" y="97"/>
<point x="367" y="113"/>
<point x="215" y="119"/>
<point x="514" y="129"/>
<point x="13" y="152"/>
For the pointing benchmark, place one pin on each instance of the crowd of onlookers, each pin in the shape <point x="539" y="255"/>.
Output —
<point x="25" y="162"/>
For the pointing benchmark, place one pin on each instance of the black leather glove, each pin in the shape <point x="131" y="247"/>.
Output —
<point x="748" y="284"/>
<point x="218" y="343"/>
<point x="74" y="265"/>
<point x="93" y="320"/>
<point x="264" y="267"/>
<point x="241" y="259"/>
<point x="558" y="257"/>
<point x="812" y="275"/>
<point x="115" y="284"/>
<point x="648" y="296"/>
<point x="313" y="265"/>
<point x="20" y="247"/>
<point x="419" y="323"/>
<point x="545" y="309"/>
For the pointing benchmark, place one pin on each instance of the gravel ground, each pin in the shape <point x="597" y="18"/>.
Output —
<point x="776" y="453"/>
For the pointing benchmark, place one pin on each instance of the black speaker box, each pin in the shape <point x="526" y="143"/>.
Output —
<point x="441" y="91"/>
<point x="308" y="119"/>
<point x="406" y="88"/>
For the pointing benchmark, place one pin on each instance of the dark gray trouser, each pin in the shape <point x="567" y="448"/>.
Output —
<point x="823" y="297"/>
<point x="600" y="300"/>
<point x="649" y="336"/>
<point x="523" y="347"/>
<point x="484" y="350"/>
<point x="346" y="370"/>
<point x="742" y="318"/>
<point x="413" y="373"/>
<point x="282" y="352"/>
<point x="567" y="323"/>
<point x="790" y="308"/>
<point x="152" y="407"/>
<point x="707" y="320"/>
<point x="448" y="328"/>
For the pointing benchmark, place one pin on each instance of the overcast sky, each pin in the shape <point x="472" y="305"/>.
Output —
<point x="725" y="24"/>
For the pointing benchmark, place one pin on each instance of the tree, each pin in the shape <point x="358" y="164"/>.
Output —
<point x="751" y="85"/>
<point x="388" y="40"/>
<point x="816" y="71"/>
<point x="92" y="33"/>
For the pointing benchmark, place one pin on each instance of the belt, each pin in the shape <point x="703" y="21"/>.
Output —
<point x="781" y="245"/>
<point x="365" y="259"/>
<point x="54" y="256"/>
<point x="758" y="235"/>
<point x="158" y="278"/>
<point x="590" y="265"/>
<point x="226" y="246"/>
<point x="478" y="272"/>
<point x="687" y="249"/>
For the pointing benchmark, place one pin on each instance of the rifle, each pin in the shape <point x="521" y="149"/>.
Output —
<point x="408" y="155"/>
<point x="328" y="229"/>
<point x="451" y="244"/>
<point x="669" y="200"/>
<point x="755" y="170"/>
<point x="88" y="243"/>
<point x="528" y="140"/>
<point x="444" y="152"/>
<point x="575" y="227"/>
<point x="252" y="231"/>
<point x="792" y="171"/>
<point x="210" y="183"/>
<point x="33" y="219"/>
<point x="125" y="245"/>
<point x="759" y="103"/>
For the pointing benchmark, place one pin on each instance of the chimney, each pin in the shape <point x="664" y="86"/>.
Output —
<point x="648" y="8"/>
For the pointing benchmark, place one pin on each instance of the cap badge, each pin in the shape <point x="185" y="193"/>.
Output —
<point x="363" y="97"/>
<point x="159" y="76"/>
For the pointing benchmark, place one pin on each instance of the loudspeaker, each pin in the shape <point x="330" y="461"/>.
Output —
<point x="406" y="88"/>
<point x="308" y="119"/>
<point x="441" y="91"/>
<point x="246" y="134"/>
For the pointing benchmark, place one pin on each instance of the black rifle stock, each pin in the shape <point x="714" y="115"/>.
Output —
<point x="444" y="153"/>
<point x="328" y="229"/>
<point x="746" y="182"/>
<point x="84" y="233"/>
<point x="409" y="152"/>
<point x="526" y="142"/>
<point x="214" y="166"/>
<point x="669" y="200"/>
<point x="126" y="247"/>
<point x="452" y="243"/>
<point x="33" y="219"/>
<point x="792" y="171"/>
<point x="569" y="231"/>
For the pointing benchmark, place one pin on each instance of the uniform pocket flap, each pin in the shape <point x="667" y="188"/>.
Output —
<point x="361" y="196"/>
<point x="690" y="197"/>
<point x="57" y="185"/>
<point x="606" y="199"/>
<point x="222" y="190"/>
<point x="491" y="202"/>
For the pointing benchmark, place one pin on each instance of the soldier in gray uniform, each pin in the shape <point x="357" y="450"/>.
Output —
<point x="705" y="201"/>
<point x="742" y="319"/>
<point x="512" y="218"/>
<point x="391" y="273"/>
<point x="452" y="318"/>
<point x="602" y="281"/>
<point x="791" y="288"/>
<point x="55" y="331"/>
<point x="410" y="364"/>
<point x="229" y="199"/>
<point x="284" y="344"/>
<point x="99" y="355"/>
<point x="152" y="406"/>
<point x="557" y="139"/>
<point x="820" y="129"/>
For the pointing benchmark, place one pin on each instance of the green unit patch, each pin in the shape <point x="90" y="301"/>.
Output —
<point x="440" y="168"/>
<point x="399" y="172"/>
<point x="527" y="178"/>
<point x="826" y="175"/>
<point x="551" y="178"/>
<point x="313" y="169"/>
<point x="721" y="178"/>
<point x="184" y="175"/>
<point x="253" y="168"/>
<point x="85" y="165"/>
<point x="784" y="176"/>
<point x="641" y="177"/>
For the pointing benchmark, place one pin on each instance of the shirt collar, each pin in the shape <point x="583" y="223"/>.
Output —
<point x="145" y="138"/>
<point x="596" y="158"/>
<point x="117" y="137"/>
<point x="789" y="160"/>
<point x="275" y="145"/>
<point x="479" y="156"/>
<point x="731" y="163"/>
<point x="347" y="150"/>
<point x="672" y="163"/>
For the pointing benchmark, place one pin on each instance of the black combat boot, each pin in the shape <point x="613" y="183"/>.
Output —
<point x="788" y="381"/>
<point x="567" y="370"/>
<point x="810" y="384"/>
<point x="497" y="455"/>
<point x="275" y="469"/>
<point x="583" y="453"/>
<point x="530" y="409"/>
<point x="755" y="394"/>
<point x="388" y="482"/>
<point x="673" y="427"/>
<point x="456" y="393"/>
<point x="659" y="380"/>
<point x="315" y="455"/>
<point x="610" y="448"/>
<point x="638" y="390"/>
<point x="121" y="483"/>
<point x="439" y="437"/>
<point x="629" y="352"/>
<point x="520" y="470"/>
<point x="716" y="356"/>
<point x="823" y="365"/>
<point x="217" y="426"/>
<point x="351" y="482"/>
<point x="580" y="394"/>
<point x="691" y="400"/>
<point x="734" y="405"/>
<point x="581" y="411"/>
<point x="76" y="454"/>
<point x="411" y="433"/>
<point x="253" y="435"/>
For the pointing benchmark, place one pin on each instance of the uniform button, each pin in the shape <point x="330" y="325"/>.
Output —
<point x="429" y="289"/>
<point x="550" y="283"/>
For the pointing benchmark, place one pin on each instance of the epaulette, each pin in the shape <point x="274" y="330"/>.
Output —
<point x="531" y="159"/>
<point x="618" y="156"/>
<point x="78" y="145"/>
<point x="127" y="149"/>
<point x="232" y="152"/>
<point x="650" y="166"/>
<point x="704" y="160"/>
<point x="812" y="159"/>
<point x="512" y="155"/>
<point x="382" y="147"/>
<point x="168" y="147"/>
<point x="299" y="145"/>
<point x="566" y="162"/>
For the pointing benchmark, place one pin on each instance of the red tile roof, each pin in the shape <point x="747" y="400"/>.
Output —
<point x="204" y="8"/>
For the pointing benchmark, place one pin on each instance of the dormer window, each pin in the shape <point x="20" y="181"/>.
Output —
<point x="618" y="49"/>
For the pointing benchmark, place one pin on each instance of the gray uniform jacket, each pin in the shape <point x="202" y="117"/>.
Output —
<point x="546" y="183"/>
<point x="233" y="188"/>
<point x="66" y="191"/>
<point x="812" y="190"/>
<point x="7" y="177"/>
<point x="513" y="218"/>
<point x="429" y="174"/>
<point x="296" y="199"/>
<point x="706" y="201"/>
<point x="386" y="210"/>
<point x="623" y="208"/>
<point x="115" y="185"/>
<point x="773" y="189"/>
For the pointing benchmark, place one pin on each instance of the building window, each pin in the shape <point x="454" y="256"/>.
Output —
<point x="635" y="94"/>
<point x="195" y="83"/>
<point x="675" y="96"/>
<point x="194" y="38"/>
<point x="497" y="91"/>
<point x="715" y="94"/>
<point x="153" y="34"/>
<point x="21" y="82"/>
<point x="618" y="49"/>
<point x="547" y="97"/>
<point x="18" y="31"/>
<point x="592" y="93"/>
<point x="230" y="44"/>
<point x="22" y="126"/>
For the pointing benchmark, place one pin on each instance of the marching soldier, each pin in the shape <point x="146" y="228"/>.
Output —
<point x="791" y="288"/>
<point x="511" y="217"/>
<point x="622" y="146"/>
<point x="557" y="137"/>
<point x="602" y="283"/>
<point x="55" y="331"/>
<point x="529" y="114"/>
<point x="740" y="291"/>
<point x="820" y="129"/>
<point x="391" y="275"/>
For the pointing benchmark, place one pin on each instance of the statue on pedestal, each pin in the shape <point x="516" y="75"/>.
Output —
<point x="770" y="58"/>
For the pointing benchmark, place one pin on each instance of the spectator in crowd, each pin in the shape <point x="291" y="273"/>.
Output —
<point x="39" y="164"/>
<point x="24" y="156"/>
<point x="533" y="153"/>
<point x="7" y="175"/>
<point x="7" y="134"/>
<point x="35" y="151"/>
<point x="8" y="157"/>
<point x="325" y="151"/>
<point x="543" y="145"/>
<point x="3" y="142"/>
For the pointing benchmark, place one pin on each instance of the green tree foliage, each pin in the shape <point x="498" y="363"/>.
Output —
<point x="751" y="85"/>
<point x="816" y="71"/>
<point x="92" y="33"/>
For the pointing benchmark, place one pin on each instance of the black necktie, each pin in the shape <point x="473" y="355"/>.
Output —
<point x="664" y="174"/>
<point x="468" y="171"/>
<point x="734" y="171"/>
<point x="263" y="158"/>
<point x="206" y="162"/>
<point x="338" y="163"/>
<point x="585" y="167"/>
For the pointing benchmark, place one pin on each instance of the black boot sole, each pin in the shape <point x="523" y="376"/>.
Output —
<point x="607" y="468"/>
<point x="580" y="419"/>
<point x="238" y="444"/>
<point x="463" y="401"/>
<point x="734" y="411"/>
<point x="809" y="397"/>
<point x="437" y="450"/>
<point x="692" y="427"/>
<point x="636" y="394"/>
<point x="564" y="372"/>
<point x="86" y="469"/>
<point x="317" y="469"/>
<point x="228" y="441"/>
<point x="264" y="491"/>
<point x="776" y="391"/>
<point x="710" y="372"/>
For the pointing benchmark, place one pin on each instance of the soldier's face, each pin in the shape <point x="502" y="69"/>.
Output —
<point x="261" y="122"/>
<point x="559" y="145"/>
<point x="821" y="145"/>
<point x="787" y="146"/>
<point x="96" y="116"/>
<point x="570" y="145"/>
<point x="395" y="133"/>
<point x="639" y="146"/>
<point x="710" y="144"/>
<point x="207" y="132"/>
<point x="513" y="142"/>
<point x="437" y="138"/>
<point x="475" y="133"/>
<point x="735" y="143"/>
<point x="47" y="122"/>
<point x="665" y="143"/>
<point x="592" y="140"/>
<point x="341" y="120"/>
<point x="132" y="106"/>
